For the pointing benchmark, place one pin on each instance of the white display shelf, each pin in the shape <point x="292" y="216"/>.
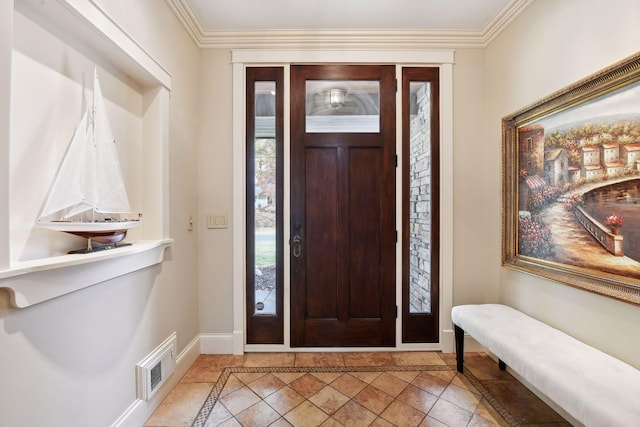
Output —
<point x="32" y="282"/>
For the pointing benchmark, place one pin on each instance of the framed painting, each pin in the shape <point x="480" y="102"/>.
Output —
<point x="571" y="184"/>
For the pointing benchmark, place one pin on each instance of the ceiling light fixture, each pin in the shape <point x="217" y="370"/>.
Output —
<point x="336" y="98"/>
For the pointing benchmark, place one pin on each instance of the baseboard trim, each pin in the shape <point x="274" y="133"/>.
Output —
<point x="216" y="344"/>
<point x="140" y="411"/>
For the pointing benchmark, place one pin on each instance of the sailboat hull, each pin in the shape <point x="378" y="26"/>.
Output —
<point x="104" y="232"/>
<point x="106" y="238"/>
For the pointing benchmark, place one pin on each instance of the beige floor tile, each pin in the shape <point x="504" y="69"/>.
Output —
<point x="401" y="414"/>
<point x="488" y="412"/>
<point x="288" y="377"/>
<point x="218" y="415"/>
<point x="232" y="384"/>
<point x="239" y="400"/>
<point x="446" y="376"/>
<point x="319" y="359"/>
<point x="231" y="422"/>
<point x="417" y="398"/>
<point x="417" y="358"/>
<point x="381" y="422"/>
<point x="373" y="399"/>
<point x="306" y="415"/>
<point x="354" y="414"/>
<point x="448" y="358"/>
<point x="307" y="385"/>
<point x="406" y="376"/>
<point x="258" y="415"/>
<point x="461" y="397"/>
<point x="327" y="377"/>
<point x="478" y="421"/>
<point x="284" y="400"/>
<point x="450" y="414"/>
<point x="269" y="359"/>
<point x="349" y="385"/>
<point x="218" y="362"/>
<point x="462" y="381"/>
<point x="368" y="359"/>
<point x="207" y="368"/>
<point x="367" y="377"/>
<point x="249" y="377"/>
<point x="390" y="384"/>
<point x="329" y="400"/>
<point x="330" y="422"/>
<point x="430" y="383"/>
<point x="281" y="422"/>
<point x="266" y="385"/>
<point x="432" y="422"/>
<point x="181" y="405"/>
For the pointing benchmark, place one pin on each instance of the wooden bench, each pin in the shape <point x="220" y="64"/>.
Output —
<point x="594" y="388"/>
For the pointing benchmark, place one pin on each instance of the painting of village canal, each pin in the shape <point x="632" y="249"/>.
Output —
<point x="578" y="185"/>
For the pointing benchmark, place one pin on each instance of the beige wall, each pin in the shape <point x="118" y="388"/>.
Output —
<point x="552" y="44"/>
<point x="471" y="267"/>
<point x="71" y="360"/>
<point x="215" y="168"/>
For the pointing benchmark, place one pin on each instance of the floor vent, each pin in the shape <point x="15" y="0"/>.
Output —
<point x="154" y="369"/>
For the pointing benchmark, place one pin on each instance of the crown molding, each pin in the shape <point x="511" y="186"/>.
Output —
<point x="503" y="18"/>
<point x="344" y="39"/>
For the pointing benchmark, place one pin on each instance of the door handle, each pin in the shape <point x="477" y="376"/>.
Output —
<point x="296" y="246"/>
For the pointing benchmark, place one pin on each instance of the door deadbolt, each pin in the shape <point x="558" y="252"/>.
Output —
<point x="296" y="246"/>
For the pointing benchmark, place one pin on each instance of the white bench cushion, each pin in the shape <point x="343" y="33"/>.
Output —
<point x="593" y="387"/>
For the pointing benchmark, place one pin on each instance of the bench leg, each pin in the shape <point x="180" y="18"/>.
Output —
<point x="502" y="365"/>
<point x="459" y="333"/>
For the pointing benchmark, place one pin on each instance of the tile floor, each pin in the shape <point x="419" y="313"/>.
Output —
<point x="351" y="398"/>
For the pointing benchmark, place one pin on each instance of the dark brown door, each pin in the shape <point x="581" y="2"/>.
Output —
<point x="343" y="233"/>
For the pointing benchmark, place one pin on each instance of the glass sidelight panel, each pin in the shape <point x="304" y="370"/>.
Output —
<point x="420" y="198"/>
<point x="421" y="205"/>
<point x="264" y="205"/>
<point x="344" y="106"/>
<point x="265" y="196"/>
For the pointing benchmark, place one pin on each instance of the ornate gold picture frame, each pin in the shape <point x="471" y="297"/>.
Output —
<point x="571" y="184"/>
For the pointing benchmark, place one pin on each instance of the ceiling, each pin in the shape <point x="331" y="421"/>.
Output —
<point x="212" y="22"/>
<point x="215" y="15"/>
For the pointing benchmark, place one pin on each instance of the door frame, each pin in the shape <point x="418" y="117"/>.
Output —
<point x="241" y="59"/>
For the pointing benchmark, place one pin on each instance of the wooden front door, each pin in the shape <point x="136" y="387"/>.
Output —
<point x="343" y="233"/>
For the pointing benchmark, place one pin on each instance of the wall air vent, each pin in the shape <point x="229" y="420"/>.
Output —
<point x="154" y="369"/>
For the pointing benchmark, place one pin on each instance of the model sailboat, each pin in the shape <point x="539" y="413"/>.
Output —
<point x="88" y="194"/>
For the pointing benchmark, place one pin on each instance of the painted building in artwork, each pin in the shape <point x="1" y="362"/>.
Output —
<point x="556" y="167"/>
<point x="613" y="166"/>
<point x="531" y="149"/>
<point x="591" y="168"/>
<point x="630" y="155"/>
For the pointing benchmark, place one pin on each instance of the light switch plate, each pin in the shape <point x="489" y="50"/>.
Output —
<point x="217" y="221"/>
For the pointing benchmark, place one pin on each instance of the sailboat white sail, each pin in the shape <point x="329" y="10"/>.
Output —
<point x="89" y="182"/>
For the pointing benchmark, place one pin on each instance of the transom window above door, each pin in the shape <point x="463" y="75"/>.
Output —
<point x="342" y="106"/>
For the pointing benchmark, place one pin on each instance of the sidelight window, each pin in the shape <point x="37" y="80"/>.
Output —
<point x="421" y="205"/>
<point x="264" y="274"/>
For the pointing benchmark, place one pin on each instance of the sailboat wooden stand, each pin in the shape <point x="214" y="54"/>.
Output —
<point x="90" y="180"/>
<point x="91" y="248"/>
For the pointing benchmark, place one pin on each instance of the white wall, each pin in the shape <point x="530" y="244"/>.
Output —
<point x="472" y="281"/>
<point x="71" y="360"/>
<point x="552" y="44"/>
<point x="215" y="166"/>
